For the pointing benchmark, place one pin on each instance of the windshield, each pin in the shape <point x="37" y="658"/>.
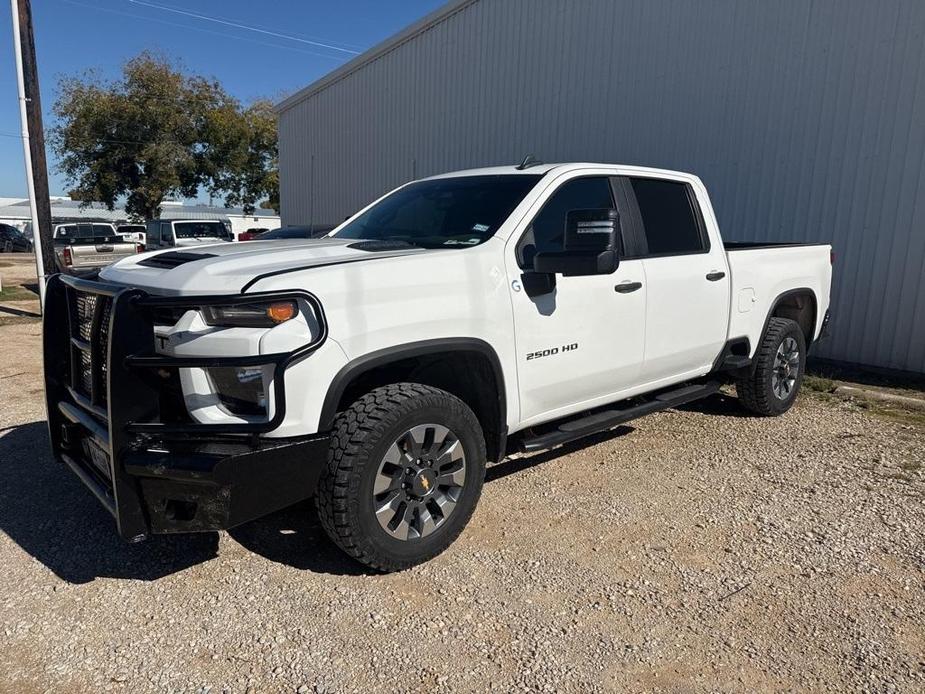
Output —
<point x="71" y="232"/>
<point x="443" y="212"/>
<point x="200" y="230"/>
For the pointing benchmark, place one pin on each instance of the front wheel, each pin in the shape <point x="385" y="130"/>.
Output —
<point x="404" y="473"/>
<point x="779" y="364"/>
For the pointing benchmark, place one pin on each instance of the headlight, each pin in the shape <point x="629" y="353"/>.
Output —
<point x="260" y="315"/>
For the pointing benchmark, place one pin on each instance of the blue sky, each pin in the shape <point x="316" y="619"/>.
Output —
<point x="255" y="49"/>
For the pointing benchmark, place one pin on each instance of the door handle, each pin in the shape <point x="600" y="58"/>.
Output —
<point x="627" y="287"/>
<point x="715" y="275"/>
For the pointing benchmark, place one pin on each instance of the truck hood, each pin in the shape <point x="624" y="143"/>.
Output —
<point x="228" y="268"/>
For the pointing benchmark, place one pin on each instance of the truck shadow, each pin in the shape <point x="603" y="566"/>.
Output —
<point x="511" y="466"/>
<point x="718" y="404"/>
<point x="50" y="515"/>
<point x="294" y="537"/>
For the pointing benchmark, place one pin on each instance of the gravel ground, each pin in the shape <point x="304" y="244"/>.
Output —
<point x="697" y="550"/>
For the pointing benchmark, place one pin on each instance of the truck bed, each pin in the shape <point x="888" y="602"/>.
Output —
<point x="766" y="273"/>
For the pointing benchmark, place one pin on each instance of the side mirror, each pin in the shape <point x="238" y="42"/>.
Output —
<point x="591" y="245"/>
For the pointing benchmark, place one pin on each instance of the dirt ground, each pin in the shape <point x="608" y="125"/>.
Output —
<point x="696" y="550"/>
<point x="18" y="288"/>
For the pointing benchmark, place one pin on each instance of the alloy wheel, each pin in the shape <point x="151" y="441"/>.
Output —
<point x="419" y="481"/>
<point x="786" y="368"/>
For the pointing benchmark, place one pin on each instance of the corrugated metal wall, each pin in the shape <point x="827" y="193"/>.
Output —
<point x="805" y="118"/>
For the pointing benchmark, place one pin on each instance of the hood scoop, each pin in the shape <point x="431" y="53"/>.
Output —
<point x="172" y="259"/>
<point x="384" y="245"/>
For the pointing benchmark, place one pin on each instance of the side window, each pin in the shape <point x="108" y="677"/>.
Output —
<point x="670" y="217"/>
<point x="153" y="234"/>
<point x="547" y="232"/>
<point x="166" y="234"/>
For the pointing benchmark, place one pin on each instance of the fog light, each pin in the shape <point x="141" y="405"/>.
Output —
<point x="240" y="389"/>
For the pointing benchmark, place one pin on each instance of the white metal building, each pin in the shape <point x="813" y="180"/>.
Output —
<point x="806" y="120"/>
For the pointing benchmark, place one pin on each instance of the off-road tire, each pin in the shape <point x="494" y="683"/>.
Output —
<point x="361" y="435"/>
<point x="755" y="390"/>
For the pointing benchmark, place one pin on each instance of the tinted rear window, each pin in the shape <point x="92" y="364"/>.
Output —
<point x="671" y="222"/>
<point x="71" y="232"/>
<point x="200" y="230"/>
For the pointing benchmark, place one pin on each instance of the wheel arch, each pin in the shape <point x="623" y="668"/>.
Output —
<point x="431" y="362"/>
<point x="800" y="305"/>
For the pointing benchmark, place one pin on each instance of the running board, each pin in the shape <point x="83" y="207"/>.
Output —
<point x="608" y="419"/>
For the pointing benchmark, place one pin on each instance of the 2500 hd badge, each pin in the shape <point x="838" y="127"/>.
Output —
<point x="550" y="352"/>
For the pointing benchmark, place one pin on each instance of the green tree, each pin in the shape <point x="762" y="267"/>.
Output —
<point x="243" y="156"/>
<point x="157" y="132"/>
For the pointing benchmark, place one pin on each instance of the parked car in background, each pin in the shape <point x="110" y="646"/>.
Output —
<point x="170" y="233"/>
<point x="132" y="232"/>
<point x="84" y="248"/>
<point x="252" y="234"/>
<point x="12" y="240"/>
<point x="296" y="232"/>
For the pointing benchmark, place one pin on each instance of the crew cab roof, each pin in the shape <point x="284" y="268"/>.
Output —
<point x="542" y="169"/>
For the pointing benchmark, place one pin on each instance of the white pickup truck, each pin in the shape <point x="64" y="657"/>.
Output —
<point x="453" y="321"/>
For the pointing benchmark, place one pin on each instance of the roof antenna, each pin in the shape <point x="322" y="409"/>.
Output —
<point x="528" y="161"/>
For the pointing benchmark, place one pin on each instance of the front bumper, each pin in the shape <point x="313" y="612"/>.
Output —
<point x="116" y="421"/>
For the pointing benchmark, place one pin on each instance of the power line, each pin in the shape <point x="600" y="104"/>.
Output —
<point x="199" y="29"/>
<point x="246" y="27"/>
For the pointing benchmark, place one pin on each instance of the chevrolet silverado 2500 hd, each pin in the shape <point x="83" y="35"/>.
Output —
<point x="452" y="321"/>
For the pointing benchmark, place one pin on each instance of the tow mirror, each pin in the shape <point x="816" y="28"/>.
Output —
<point x="591" y="245"/>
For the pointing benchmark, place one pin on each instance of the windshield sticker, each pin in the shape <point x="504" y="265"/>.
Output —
<point x="457" y="242"/>
<point x="480" y="227"/>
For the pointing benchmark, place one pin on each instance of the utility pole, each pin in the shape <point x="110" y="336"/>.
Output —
<point x="33" y="136"/>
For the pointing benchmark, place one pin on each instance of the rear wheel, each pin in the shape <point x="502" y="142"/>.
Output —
<point x="779" y="364"/>
<point x="404" y="473"/>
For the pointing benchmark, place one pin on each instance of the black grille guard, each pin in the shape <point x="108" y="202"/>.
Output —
<point x="94" y="432"/>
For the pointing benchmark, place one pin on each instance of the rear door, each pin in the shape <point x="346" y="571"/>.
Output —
<point x="687" y="309"/>
<point x="583" y="342"/>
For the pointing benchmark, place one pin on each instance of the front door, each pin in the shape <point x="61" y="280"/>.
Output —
<point x="583" y="343"/>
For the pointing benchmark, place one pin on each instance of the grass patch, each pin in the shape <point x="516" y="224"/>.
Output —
<point x="16" y="293"/>
<point x="819" y="384"/>
<point x="823" y="389"/>
<point x="7" y="319"/>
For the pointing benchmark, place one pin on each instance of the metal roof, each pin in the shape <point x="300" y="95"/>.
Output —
<point x="71" y="209"/>
<point x="380" y="49"/>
